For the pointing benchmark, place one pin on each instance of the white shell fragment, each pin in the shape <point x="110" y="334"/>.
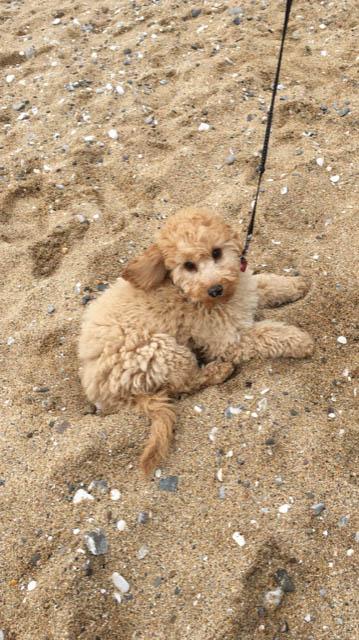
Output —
<point x="204" y="126"/>
<point x="239" y="539"/>
<point x="212" y="434"/>
<point x="320" y="162"/>
<point x="113" y="134"/>
<point x="272" y="599"/>
<point x="81" y="495"/>
<point x="284" y="508"/>
<point x="120" y="582"/>
<point x="115" y="494"/>
<point x="284" y="190"/>
<point x="121" y="525"/>
<point x="342" y="340"/>
<point x="334" y="179"/>
<point x="32" y="585"/>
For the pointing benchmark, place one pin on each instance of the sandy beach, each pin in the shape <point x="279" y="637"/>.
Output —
<point x="113" y="115"/>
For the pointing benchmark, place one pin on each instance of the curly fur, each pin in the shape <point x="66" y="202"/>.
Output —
<point x="138" y="339"/>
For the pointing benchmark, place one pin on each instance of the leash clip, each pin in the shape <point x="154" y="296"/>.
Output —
<point x="243" y="264"/>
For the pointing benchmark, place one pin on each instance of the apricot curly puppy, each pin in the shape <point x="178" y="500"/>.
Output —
<point x="185" y="292"/>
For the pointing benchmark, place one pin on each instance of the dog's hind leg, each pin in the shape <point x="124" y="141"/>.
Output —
<point x="274" y="290"/>
<point x="269" y="339"/>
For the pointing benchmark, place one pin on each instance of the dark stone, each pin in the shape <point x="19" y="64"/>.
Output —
<point x="196" y="12"/>
<point x="60" y="427"/>
<point x="35" y="558"/>
<point x="127" y="52"/>
<point x="343" y="112"/>
<point x="88" y="569"/>
<point x="318" y="508"/>
<point x="102" y="286"/>
<point x="269" y="441"/>
<point x="42" y="389"/>
<point x="157" y="581"/>
<point x="294" y="412"/>
<point x="237" y="20"/>
<point x="142" y="517"/>
<point x="284" y="581"/>
<point x="169" y="484"/>
<point x="96" y="542"/>
<point x="177" y="591"/>
<point x="2" y="482"/>
<point x="86" y="299"/>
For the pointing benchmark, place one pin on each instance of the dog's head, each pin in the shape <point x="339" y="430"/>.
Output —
<point x="198" y="251"/>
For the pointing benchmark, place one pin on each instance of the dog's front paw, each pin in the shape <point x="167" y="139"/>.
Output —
<point x="300" y="286"/>
<point x="218" y="372"/>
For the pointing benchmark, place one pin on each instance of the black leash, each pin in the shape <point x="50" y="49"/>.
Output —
<point x="262" y="165"/>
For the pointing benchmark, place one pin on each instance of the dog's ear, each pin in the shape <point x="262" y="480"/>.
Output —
<point x="148" y="270"/>
<point x="237" y="241"/>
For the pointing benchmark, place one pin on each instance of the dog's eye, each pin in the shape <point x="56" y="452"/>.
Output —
<point x="216" y="253"/>
<point x="190" y="266"/>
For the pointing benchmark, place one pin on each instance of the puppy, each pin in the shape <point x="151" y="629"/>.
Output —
<point x="185" y="293"/>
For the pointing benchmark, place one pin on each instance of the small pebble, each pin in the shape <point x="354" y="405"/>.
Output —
<point x="284" y="508"/>
<point x="307" y="617"/>
<point x="120" y="90"/>
<point x="10" y="341"/>
<point x="334" y="179"/>
<point x="113" y="134"/>
<point x="142" y="552"/>
<point x="142" y="517"/>
<point x="96" y="542"/>
<point x="219" y="475"/>
<point x="343" y="112"/>
<point x="204" y="126"/>
<point x="342" y="340"/>
<point x="356" y="536"/>
<point x="196" y="12"/>
<point x="198" y="408"/>
<point x="168" y="484"/>
<point x="318" y="508"/>
<point x="284" y="580"/>
<point x="320" y="162"/>
<point x="350" y="552"/>
<point x="232" y="411"/>
<point x="343" y="521"/>
<point x="115" y="494"/>
<point x="19" y="106"/>
<point x="120" y="582"/>
<point x="212" y="434"/>
<point x="98" y="485"/>
<point x="121" y="525"/>
<point x="237" y="20"/>
<point x="239" y="539"/>
<point x="230" y="159"/>
<point x="51" y="309"/>
<point x="222" y="493"/>
<point x="81" y="495"/>
<point x="10" y="78"/>
<point x="272" y="599"/>
<point x="32" y="585"/>
<point x="284" y="191"/>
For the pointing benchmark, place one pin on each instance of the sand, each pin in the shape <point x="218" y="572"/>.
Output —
<point x="75" y="205"/>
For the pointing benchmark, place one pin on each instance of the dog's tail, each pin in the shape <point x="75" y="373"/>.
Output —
<point x="159" y="410"/>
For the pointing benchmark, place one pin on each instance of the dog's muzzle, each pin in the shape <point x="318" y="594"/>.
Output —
<point x="215" y="291"/>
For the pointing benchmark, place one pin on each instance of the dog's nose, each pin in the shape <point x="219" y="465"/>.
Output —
<point x="215" y="291"/>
